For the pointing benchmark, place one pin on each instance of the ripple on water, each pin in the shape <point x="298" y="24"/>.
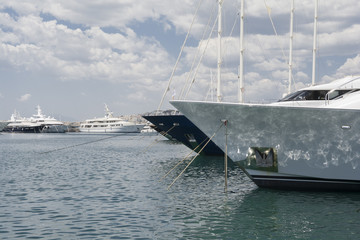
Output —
<point x="111" y="190"/>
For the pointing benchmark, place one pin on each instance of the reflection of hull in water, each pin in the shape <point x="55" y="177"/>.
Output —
<point x="314" y="148"/>
<point x="256" y="213"/>
<point x="24" y="129"/>
<point x="54" y="129"/>
<point x="183" y="131"/>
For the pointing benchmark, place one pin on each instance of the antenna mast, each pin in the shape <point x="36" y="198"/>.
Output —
<point x="314" y="43"/>
<point x="241" y="64"/>
<point x="291" y="44"/>
<point x="219" y="52"/>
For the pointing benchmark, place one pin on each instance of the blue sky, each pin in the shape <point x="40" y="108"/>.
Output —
<point x="71" y="57"/>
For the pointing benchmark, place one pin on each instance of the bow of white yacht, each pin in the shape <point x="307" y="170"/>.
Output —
<point x="290" y="144"/>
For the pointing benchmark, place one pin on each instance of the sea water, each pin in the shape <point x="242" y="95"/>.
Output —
<point x="78" y="186"/>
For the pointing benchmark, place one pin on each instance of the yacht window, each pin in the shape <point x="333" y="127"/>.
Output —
<point x="337" y="93"/>
<point x="313" y="95"/>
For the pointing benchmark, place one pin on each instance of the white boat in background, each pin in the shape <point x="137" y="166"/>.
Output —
<point x="38" y="123"/>
<point x="308" y="140"/>
<point x="149" y="130"/>
<point x="50" y="124"/>
<point x="109" y="124"/>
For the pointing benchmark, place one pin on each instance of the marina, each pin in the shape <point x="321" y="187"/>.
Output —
<point x="256" y="136"/>
<point x="110" y="189"/>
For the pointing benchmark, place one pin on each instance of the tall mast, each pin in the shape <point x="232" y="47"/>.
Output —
<point x="314" y="43"/>
<point x="219" y="52"/>
<point x="291" y="45"/>
<point x="241" y="64"/>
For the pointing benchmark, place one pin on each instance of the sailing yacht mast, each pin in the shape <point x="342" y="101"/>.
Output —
<point x="218" y="94"/>
<point x="291" y="45"/>
<point x="241" y="64"/>
<point x="314" y="43"/>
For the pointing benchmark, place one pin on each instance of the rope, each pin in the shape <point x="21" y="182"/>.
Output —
<point x="76" y="145"/>
<point x="178" y="59"/>
<point x="193" y="150"/>
<point x="201" y="57"/>
<point x="197" y="53"/>
<point x="162" y="134"/>
<point x="194" y="157"/>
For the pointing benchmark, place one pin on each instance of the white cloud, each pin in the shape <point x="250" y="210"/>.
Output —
<point x="70" y="40"/>
<point x="351" y="66"/>
<point x="77" y="54"/>
<point x="25" y="97"/>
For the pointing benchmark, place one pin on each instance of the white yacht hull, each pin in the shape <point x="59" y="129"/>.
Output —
<point x="296" y="147"/>
<point x="121" y="129"/>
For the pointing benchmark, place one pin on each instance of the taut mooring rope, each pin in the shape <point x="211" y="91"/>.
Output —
<point x="163" y="134"/>
<point x="193" y="150"/>
<point x="195" y="157"/>
<point x="76" y="145"/>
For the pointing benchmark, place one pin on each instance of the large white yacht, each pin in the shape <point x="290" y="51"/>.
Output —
<point x="109" y="124"/>
<point x="308" y="140"/>
<point x="38" y="123"/>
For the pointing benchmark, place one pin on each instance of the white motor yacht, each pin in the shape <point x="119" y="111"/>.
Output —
<point x="109" y="124"/>
<point x="38" y="123"/>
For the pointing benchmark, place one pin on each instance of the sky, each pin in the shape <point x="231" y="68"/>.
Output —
<point x="71" y="57"/>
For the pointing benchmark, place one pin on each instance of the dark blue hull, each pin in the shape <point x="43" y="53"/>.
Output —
<point x="37" y="129"/>
<point x="184" y="131"/>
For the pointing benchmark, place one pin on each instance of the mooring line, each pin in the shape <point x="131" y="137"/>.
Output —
<point x="194" y="157"/>
<point x="193" y="150"/>
<point x="76" y="145"/>
<point x="155" y="141"/>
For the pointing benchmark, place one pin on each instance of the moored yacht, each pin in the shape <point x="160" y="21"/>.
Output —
<point x="50" y="124"/>
<point x="109" y="124"/>
<point x="308" y="140"/>
<point x="38" y="123"/>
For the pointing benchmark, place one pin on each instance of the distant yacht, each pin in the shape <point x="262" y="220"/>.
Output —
<point x="149" y="130"/>
<point x="109" y="124"/>
<point x="38" y="123"/>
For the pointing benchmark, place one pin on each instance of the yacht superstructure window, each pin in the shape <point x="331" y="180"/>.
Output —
<point x="314" y="95"/>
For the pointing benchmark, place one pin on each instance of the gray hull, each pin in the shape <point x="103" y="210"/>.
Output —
<point x="285" y="147"/>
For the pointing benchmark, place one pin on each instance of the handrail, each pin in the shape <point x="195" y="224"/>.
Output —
<point x="327" y="97"/>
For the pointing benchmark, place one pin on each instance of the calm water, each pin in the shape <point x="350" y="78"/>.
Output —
<point x="110" y="189"/>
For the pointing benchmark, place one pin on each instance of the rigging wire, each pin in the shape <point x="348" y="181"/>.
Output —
<point x="202" y="55"/>
<point x="178" y="59"/>
<point x="274" y="28"/>
<point x="197" y="53"/>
